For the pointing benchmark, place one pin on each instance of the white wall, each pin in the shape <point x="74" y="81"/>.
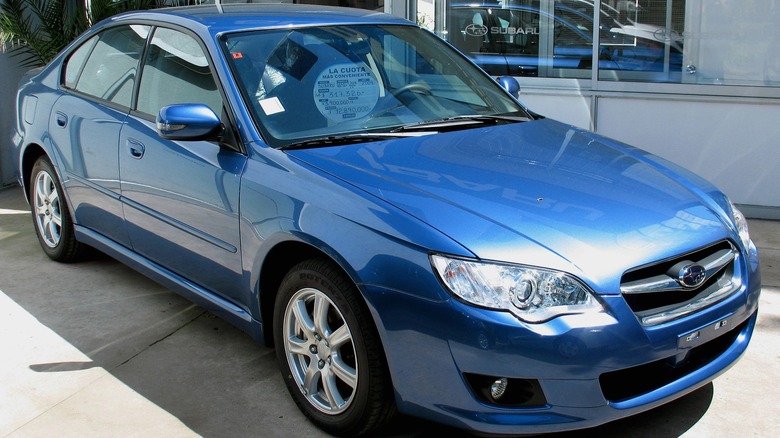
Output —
<point x="732" y="142"/>
<point x="735" y="145"/>
<point x="10" y="74"/>
<point x="571" y="108"/>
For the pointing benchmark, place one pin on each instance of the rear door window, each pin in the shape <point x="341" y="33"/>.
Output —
<point x="106" y="66"/>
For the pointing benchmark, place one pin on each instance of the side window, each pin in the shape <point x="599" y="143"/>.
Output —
<point x="75" y="64"/>
<point x="176" y="71"/>
<point x="106" y="65"/>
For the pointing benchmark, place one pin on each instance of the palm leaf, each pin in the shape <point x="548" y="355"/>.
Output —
<point x="35" y="31"/>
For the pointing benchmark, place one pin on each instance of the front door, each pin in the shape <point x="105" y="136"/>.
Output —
<point x="181" y="198"/>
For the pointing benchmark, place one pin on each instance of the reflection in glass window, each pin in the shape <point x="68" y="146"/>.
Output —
<point x="732" y="42"/>
<point x="554" y="38"/>
<point x="111" y="64"/>
<point x="504" y="39"/>
<point x="673" y="41"/>
<point x="651" y="49"/>
<point x="374" y="5"/>
<point x="176" y="71"/>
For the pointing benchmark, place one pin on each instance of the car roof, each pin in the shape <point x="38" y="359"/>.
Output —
<point x="234" y="17"/>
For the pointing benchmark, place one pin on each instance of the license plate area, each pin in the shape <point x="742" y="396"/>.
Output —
<point x="704" y="334"/>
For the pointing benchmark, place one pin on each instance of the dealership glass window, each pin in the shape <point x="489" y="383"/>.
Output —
<point x="663" y="41"/>
<point x="554" y="38"/>
<point x="374" y="5"/>
<point x="732" y="42"/>
<point x="653" y="46"/>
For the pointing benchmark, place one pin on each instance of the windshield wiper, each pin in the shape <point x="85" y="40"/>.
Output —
<point x="414" y="130"/>
<point x="356" y="137"/>
<point x="460" y="122"/>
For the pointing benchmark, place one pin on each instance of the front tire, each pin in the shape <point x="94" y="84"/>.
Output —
<point x="329" y="351"/>
<point x="50" y="214"/>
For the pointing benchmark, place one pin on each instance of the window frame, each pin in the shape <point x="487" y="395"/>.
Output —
<point x="231" y="138"/>
<point x="142" y="68"/>
<point x="63" y="85"/>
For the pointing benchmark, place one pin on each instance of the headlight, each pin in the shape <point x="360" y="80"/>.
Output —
<point x="531" y="294"/>
<point x="742" y="225"/>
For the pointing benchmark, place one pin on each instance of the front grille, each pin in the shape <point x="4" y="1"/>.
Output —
<point x="632" y="382"/>
<point x="657" y="294"/>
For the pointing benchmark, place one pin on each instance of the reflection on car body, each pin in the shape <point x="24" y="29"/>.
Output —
<point x="347" y="188"/>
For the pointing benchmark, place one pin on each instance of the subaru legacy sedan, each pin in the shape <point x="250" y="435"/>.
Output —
<point x="348" y="188"/>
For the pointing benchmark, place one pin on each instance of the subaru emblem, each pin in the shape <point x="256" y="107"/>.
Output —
<point x="692" y="275"/>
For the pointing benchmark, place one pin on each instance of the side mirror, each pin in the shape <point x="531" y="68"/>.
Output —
<point x="511" y="85"/>
<point x="190" y="121"/>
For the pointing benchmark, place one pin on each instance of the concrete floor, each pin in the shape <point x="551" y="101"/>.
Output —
<point x="95" y="349"/>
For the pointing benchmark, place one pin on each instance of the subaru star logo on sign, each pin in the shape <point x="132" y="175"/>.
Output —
<point x="476" y="30"/>
<point x="356" y="194"/>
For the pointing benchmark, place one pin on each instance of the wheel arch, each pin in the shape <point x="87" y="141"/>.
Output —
<point x="30" y="155"/>
<point x="276" y="264"/>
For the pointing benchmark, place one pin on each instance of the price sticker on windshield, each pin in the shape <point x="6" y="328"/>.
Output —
<point x="346" y="91"/>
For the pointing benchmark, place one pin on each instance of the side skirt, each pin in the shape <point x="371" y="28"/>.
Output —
<point x="189" y="290"/>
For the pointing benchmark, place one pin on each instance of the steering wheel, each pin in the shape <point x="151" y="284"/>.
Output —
<point x="414" y="87"/>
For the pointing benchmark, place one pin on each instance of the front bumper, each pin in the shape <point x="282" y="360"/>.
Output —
<point x="589" y="369"/>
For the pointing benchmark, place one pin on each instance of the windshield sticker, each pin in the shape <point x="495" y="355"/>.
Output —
<point x="271" y="106"/>
<point x="293" y="59"/>
<point x="346" y="91"/>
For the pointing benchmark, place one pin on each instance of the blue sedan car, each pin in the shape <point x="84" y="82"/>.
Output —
<point x="354" y="192"/>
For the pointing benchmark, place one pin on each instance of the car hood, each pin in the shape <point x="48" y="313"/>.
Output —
<point x="539" y="193"/>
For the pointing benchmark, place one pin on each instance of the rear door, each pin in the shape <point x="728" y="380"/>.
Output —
<point x="181" y="198"/>
<point x="86" y="121"/>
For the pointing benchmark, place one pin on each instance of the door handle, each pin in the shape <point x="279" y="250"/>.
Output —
<point x="136" y="148"/>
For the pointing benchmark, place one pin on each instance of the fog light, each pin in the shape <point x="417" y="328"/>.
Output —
<point x="498" y="388"/>
<point x="505" y="391"/>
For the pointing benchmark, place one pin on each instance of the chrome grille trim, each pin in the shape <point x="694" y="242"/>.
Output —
<point x="660" y="296"/>
<point x="692" y="307"/>
<point x="712" y="265"/>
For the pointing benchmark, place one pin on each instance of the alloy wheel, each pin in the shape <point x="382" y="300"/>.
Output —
<point x="46" y="208"/>
<point x="320" y="352"/>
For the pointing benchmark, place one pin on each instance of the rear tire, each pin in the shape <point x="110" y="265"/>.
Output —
<point x="329" y="351"/>
<point x="50" y="213"/>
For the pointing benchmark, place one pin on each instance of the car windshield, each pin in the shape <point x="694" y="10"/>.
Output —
<point x="316" y="85"/>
